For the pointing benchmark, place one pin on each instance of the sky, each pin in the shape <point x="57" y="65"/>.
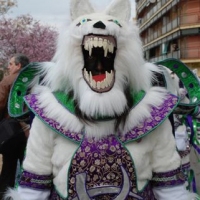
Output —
<point x="53" y="12"/>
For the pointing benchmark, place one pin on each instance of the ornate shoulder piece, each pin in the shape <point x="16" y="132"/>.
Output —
<point x="158" y="116"/>
<point x="21" y="87"/>
<point x="190" y="82"/>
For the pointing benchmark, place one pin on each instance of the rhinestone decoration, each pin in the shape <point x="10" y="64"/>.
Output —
<point x="194" y="99"/>
<point x="25" y="79"/>
<point x="184" y="75"/>
<point x="17" y="105"/>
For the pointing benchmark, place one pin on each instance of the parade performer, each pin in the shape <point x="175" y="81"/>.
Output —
<point x="184" y="83"/>
<point x="101" y="131"/>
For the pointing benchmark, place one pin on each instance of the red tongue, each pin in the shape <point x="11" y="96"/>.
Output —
<point x="99" y="77"/>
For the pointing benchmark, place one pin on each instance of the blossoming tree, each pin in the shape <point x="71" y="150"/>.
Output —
<point x="26" y="35"/>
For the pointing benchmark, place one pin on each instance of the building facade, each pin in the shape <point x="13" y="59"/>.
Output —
<point x="170" y="29"/>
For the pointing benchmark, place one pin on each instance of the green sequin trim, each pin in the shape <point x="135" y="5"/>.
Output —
<point x="188" y="78"/>
<point x="16" y="104"/>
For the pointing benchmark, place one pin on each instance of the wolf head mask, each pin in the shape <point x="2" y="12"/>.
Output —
<point x="99" y="59"/>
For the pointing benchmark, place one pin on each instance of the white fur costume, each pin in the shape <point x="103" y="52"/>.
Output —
<point x="59" y="138"/>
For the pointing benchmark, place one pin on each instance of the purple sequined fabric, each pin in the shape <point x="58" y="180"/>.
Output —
<point x="171" y="178"/>
<point x="186" y="170"/>
<point x="55" y="196"/>
<point x="157" y="116"/>
<point x="184" y="153"/>
<point x="104" y="169"/>
<point x="39" y="182"/>
<point x="34" y="105"/>
<point x="185" y="166"/>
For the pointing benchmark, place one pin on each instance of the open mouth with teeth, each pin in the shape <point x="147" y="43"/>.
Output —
<point x="99" y="53"/>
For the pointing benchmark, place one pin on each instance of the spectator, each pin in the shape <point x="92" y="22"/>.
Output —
<point x="14" y="147"/>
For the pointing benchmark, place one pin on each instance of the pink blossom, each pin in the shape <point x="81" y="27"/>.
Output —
<point x="26" y="35"/>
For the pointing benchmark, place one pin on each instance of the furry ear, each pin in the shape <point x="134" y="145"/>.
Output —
<point x="80" y="7"/>
<point x="120" y="9"/>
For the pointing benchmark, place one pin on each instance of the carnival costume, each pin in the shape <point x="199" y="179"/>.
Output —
<point x="181" y="81"/>
<point x="101" y="130"/>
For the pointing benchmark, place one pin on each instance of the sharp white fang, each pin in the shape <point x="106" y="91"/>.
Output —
<point x="106" y="74"/>
<point x="111" y="48"/>
<point x="109" y="78"/>
<point x="87" y="76"/>
<point x="105" y="82"/>
<point x="90" y="48"/>
<point x="102" y="84"/>
<point x="90" y="77"/>
<point x="85" y="73"/>
<point x="98" y="85"/>
<point x="105" y="44"/>
<point x="105" y="51"/>
<point x="86" y="46"/>
<point x="95" y="42"/>
<point x="100" y="42"/>
<point x="94" y="84"/>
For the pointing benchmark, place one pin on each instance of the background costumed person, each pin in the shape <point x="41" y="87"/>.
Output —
<point x="181" y="81"/>
<point x="101" y="131"/>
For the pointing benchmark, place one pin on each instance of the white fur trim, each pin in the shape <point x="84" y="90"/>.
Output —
<point x="61" y="160"/>
<point x="104" y="104"/>
<point x="39" y="149"/>
<point x="181" y="137"/>
<point x="11" y="193"/>
<point x="48" y="152"/>
<point x="155" y="153"/>
<point x="174" y="193"/>
<point x="100" y="129"/>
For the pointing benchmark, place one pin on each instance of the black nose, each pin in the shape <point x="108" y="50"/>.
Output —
<point x="99" y="24"/>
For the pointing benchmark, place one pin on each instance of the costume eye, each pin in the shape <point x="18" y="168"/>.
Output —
<point x="115" y="21"/>
<point x="83" y="21"/>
